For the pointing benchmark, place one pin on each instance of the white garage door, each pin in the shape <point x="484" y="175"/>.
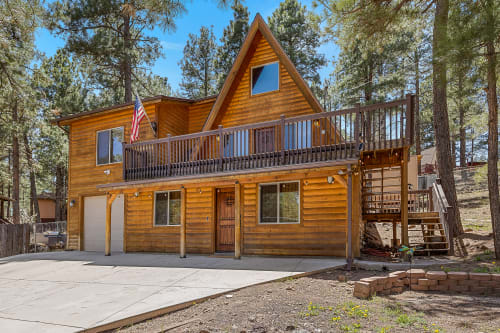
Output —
<point x="95" y="224"/>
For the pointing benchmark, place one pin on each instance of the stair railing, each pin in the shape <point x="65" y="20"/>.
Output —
<point x="440" y="204"/>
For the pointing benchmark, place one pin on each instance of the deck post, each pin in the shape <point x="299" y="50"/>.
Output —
<point x="404" y="197"/>
<point x="168" y="154"/>
<point x="237" y="220"/>
<point x="349" y="217"/>
<point x="109" y="203"/>
<point x="282" y="145"/>
<point x="221" y="146"/>
<point x="183" y="223"/>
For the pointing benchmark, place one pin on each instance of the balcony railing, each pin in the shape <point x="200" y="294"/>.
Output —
<point x="321" y="137"/>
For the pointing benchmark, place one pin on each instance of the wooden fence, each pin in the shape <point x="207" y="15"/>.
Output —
<point x="14" y="239"/>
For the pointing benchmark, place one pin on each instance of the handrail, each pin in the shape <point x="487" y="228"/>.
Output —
<point x="319" y="137"/>
<point x="442" y="207"/>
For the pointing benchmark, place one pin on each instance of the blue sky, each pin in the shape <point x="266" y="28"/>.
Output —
<point x="199" y="12"/>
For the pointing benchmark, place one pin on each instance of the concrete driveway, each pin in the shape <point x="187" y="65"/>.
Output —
<point x="72" y="291"/>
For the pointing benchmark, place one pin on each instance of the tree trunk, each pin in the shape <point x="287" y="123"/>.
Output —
<point x="493" y="145"/>
<point x="59" y="191"/>
<point x="16" y="212"/>
<point x="461" y="115"/>
<point x="33" y="192"/>
<point x="418" y="143"/>
<point x="127" y="66"/>
<point x="440" y="112"/>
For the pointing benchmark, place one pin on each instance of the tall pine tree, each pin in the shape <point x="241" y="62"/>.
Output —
<point x="231" y="41"/>
<point x="198" y="65"/>
<point x="298" y="32"/>
<point x="114" y="35"/>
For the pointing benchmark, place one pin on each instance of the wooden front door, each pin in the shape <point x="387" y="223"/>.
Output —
<point x="264" y="140"/>
<point x="225" y="220"/>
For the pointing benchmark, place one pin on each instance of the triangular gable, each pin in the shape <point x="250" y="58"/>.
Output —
<point x="260" y="26"/>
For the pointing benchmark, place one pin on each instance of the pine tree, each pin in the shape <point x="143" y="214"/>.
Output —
<point x="298" y="32"/>
<point x="198" y="65"/>
<point x="18" y="21"/>
<point x="114" y="35"/>
<point x="232" y="39"/>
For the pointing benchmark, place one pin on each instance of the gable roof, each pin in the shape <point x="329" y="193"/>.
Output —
<point x="259" y="25"/>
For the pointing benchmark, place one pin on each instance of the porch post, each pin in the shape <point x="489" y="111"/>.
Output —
<point x="349" y="217"/>
<point x="404" y="197"/>
<point x="183" y="223"/>
<point x="109" y="203"/>
<point x="237" y="221"/>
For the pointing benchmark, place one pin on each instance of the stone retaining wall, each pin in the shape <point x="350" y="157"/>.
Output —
<point x="420" y="280"/>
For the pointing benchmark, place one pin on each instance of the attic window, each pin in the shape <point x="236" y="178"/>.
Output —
<point x="265" y="78"/>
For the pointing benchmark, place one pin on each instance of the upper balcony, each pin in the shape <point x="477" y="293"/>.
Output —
<point x="316" y="139"/>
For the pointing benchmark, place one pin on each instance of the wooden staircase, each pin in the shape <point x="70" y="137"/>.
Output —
<point x="426" y="234"/>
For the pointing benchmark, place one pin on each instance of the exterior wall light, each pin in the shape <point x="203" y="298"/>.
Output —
<point x="330" y="179"/>
<point x="72" y="203"/>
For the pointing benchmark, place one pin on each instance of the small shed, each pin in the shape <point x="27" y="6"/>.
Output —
<point x="47" y="206"/>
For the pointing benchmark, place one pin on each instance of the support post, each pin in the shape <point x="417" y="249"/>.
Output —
<point x="349" y="217"/>
<point x="404" y="197"/>
<point x="183" y="223"/>
<point x="109" y="204"/>
<point x="237" y="221"/>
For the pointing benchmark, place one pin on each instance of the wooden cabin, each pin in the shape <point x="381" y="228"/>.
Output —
<point x="259" y="169"/>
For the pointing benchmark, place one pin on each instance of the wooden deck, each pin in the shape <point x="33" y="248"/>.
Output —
<point x="321" y="137"/>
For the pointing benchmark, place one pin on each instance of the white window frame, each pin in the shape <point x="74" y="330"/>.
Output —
<point x="168" y="210"/>
<point x="278" y="202"/>
<point x="109" y="145"/>
<point x="251" y="78"/>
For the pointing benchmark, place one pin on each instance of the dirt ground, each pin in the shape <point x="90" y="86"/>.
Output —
<point x="320" y="303"/>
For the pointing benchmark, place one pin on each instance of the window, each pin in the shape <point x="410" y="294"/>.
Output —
<point x="109" y="146"/>
<point x="167" y="208"/>
<point x="279" y="203"/>
<point x="298" y="135"/>
<point x="265" y="78"/>
<point x="236" y="144"/>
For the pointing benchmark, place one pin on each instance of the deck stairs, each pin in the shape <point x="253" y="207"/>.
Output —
<point x="381" y="193"/>
<point x="426" y="234"/>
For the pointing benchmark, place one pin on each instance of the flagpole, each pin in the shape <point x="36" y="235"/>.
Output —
<point x="145" y="113"/>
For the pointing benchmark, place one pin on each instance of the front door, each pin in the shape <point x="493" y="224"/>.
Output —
<point x="225" y="220"/>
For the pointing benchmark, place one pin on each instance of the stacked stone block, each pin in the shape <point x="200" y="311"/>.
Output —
<point x="420" y="280"/>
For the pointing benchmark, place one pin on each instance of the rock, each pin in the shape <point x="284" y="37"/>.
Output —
<point x="229" y="296"/>
<point x="289" y="288"/>
<point x="290" y="328"/>
<point x="342" y="278"/>
<point x="251" y="319"/>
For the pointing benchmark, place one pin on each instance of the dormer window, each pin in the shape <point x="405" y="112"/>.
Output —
<point x="265" y="78"/>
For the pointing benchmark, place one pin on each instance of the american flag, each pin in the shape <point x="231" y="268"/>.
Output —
<point x="139" y="113"/>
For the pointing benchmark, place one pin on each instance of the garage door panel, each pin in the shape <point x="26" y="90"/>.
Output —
<point x="95" y="223"/>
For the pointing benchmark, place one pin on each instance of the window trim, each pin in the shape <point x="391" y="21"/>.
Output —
<point x="278" y="199"/>
<point x="262" y="65"/>
<point x="168" y="210"/>
<point x="109" y="145"/>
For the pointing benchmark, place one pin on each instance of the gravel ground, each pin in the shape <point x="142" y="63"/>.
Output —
<point x="320" y="303"/>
